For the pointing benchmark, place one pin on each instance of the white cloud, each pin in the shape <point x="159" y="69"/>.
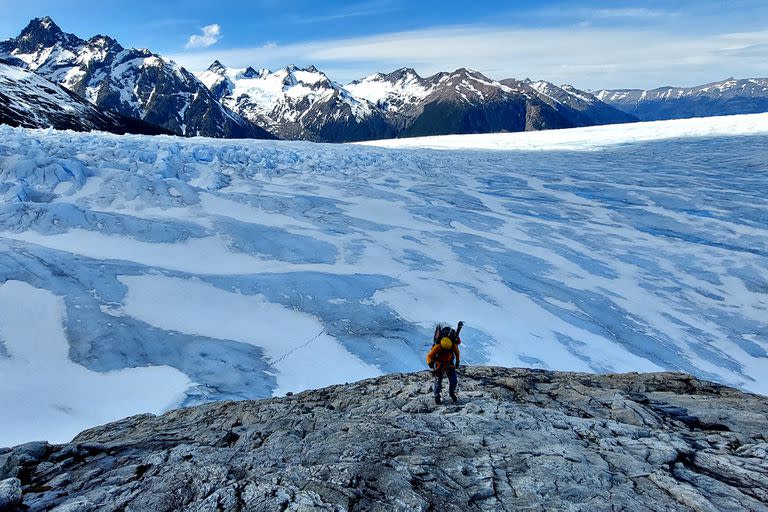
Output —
<point x="631" y="12"/>
<point x="349" y="11"/>
<point x="588" y="57"/>
<point x="585" y="16"/>
<point x="210" y="34"/>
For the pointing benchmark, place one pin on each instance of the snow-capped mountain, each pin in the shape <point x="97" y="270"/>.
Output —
<point x="731" y="96"/>
<point x="296" y="103"/>
<point x="133" y="82"/>
<point x="463" y="101"/>
<point x="580" y="107"/>
<point x="397" y="93"/>
<point x="29" y="100"/>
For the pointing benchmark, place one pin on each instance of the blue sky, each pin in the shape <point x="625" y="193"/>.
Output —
<point x="591" y="44"/>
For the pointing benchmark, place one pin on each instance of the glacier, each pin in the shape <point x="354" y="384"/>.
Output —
<point x="143" y="273"/>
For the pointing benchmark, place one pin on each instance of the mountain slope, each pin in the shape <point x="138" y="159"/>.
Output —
<point x="133" y="82"/>
<point x="518" y="439"/>
<point x="398" y="93"/>
<point x="463" y="101"/>
<point x="31" y="101"/>
<point x="295" y="103"/>
<point x="731" y="96"/>
<point x="580" y="107"/>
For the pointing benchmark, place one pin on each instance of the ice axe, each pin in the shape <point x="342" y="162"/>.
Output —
<point x="458" y="330"/>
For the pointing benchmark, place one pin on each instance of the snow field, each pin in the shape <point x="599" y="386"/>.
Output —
<point x="589" y="138"/>
<point x="44" y="395"/>
<point x="293" y="341"/>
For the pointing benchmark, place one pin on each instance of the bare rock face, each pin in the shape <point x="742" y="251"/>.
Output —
<point x="518" y="439"/>
<point x="10" y="494"/>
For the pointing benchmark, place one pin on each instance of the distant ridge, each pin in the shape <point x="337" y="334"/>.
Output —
<point x="135" y="83"/>
<point x="727" y="97"/>
<point x="303" y="103"/>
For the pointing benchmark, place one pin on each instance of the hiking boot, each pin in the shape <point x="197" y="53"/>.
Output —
<point x="438" y="401"/>
<point x="454" y="398"/>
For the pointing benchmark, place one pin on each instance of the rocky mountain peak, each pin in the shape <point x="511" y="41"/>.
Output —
<point x="400" y="74"/>
<point x="250" y="72"/>
<point x="43" y="33"/>
<point x="218" y="68"/>
<point x="310" y="77"/>
<point x="293" y="68"/>
<point x="105" y="43"/>
<point x="40" y="26"/>
<point x="298" y="103"/>
<point x="518" y="438"/>
<point x="466" y="85"/>
<point x="464" y="73"/>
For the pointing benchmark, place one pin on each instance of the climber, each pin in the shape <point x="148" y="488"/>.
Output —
<point x="441" y="360"/>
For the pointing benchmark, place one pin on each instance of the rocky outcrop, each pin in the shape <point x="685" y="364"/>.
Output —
<point x="518" y="439"/>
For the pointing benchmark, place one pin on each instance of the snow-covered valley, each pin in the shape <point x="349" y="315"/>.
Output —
<point x="140" y="273"/>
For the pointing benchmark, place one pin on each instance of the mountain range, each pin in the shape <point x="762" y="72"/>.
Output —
<point x="304" y="103"/>
<point x="133" y="82"/>
<point x="731" y="96"/>
<point x="295" y="103"/>
<point x="31" y="101"/>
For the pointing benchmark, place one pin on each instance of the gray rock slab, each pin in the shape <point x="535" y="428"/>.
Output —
<point x="518" y="439"/>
